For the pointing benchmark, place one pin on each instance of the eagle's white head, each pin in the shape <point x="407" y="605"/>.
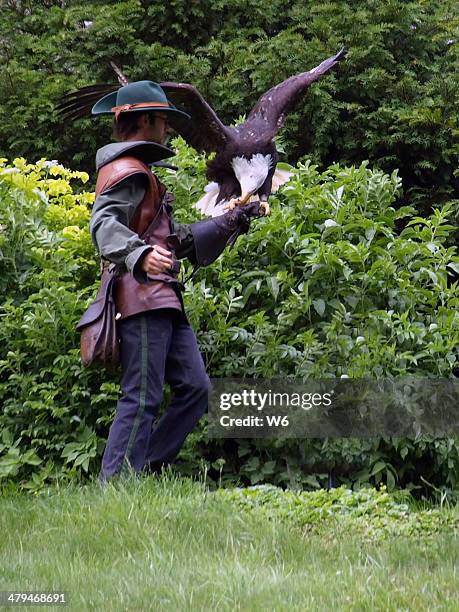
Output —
<point x="251" y="173"/>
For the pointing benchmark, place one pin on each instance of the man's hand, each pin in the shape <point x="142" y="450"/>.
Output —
<point x="156" y="261"/>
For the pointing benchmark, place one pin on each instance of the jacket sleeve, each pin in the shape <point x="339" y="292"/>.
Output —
<point x="111" y="216"/>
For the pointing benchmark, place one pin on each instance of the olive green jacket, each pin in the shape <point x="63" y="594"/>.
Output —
<point x="112" y="214"/>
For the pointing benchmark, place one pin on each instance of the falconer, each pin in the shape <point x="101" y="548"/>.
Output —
<point x="132" y="226"/>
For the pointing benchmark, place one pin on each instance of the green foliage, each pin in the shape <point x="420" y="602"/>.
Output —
<point x="337" y="289"/>
<point x="331" y="284"/>
<point x="368" y="513"/>
<point x="48" y="269"/>
<point x="393" y="101"/>
<point x="335" y="282"/>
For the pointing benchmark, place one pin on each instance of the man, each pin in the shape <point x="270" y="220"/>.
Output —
<point x="132" y="226"/>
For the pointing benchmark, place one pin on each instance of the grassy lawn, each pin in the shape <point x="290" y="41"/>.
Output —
<point x="170" y="544"/>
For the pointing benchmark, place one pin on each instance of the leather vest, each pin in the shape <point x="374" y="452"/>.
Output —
<point x="153" y="215"/>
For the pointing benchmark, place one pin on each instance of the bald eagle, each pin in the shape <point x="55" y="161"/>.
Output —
<point x="244" y="167"/>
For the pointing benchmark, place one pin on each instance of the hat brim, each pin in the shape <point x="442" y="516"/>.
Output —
<point x="104" y="107"/>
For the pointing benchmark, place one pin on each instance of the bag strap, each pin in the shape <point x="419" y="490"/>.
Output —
<point x="153" y="223"/>
<point x="127" y="167"/>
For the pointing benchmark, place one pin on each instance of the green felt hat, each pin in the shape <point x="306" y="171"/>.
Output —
<point x="137" y="97"/>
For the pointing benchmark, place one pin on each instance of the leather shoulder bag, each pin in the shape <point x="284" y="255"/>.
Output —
<point x="99" y="343"/>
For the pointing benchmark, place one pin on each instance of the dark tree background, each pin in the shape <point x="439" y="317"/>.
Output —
<point x="394" y="101"/>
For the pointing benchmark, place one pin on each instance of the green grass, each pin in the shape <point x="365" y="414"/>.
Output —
<point x="169" y="544"/>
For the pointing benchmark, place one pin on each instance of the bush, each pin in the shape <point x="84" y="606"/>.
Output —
<point x="335" y="282"/>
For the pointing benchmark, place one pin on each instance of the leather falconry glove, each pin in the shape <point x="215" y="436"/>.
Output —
<point x="211" y="236"/>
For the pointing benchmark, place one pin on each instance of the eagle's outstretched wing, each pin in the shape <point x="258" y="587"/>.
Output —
<point x="78" y="104"/>
<point x="272" y="106"/>
<point x="205" y="131"/>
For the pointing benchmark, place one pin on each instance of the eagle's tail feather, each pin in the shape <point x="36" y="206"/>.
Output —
<point x="279" y="178"/>
<point x="208" y="203"/>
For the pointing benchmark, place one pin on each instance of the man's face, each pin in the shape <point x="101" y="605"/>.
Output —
<point x="157" y="129"/>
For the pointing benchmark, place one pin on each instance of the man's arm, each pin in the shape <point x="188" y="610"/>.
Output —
<point x="111" y="216"/>
<point x="203" y="241"/>
<point x="200" y="242"/>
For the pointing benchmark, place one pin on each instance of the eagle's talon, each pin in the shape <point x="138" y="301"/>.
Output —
<point x="231" y="205"/>
<point x="265" y="209"/>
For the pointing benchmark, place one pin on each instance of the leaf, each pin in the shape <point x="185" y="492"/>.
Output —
<point x="7" y="438"/>
<point x="269" y="467"/>
<point x="31" y="458"/>
<point x="390" y="479"/>
<point x="319" y="306"/>
<point x="370" y="234"/>
<point x="273" y="285"/>
<point x="378" y="467"/>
